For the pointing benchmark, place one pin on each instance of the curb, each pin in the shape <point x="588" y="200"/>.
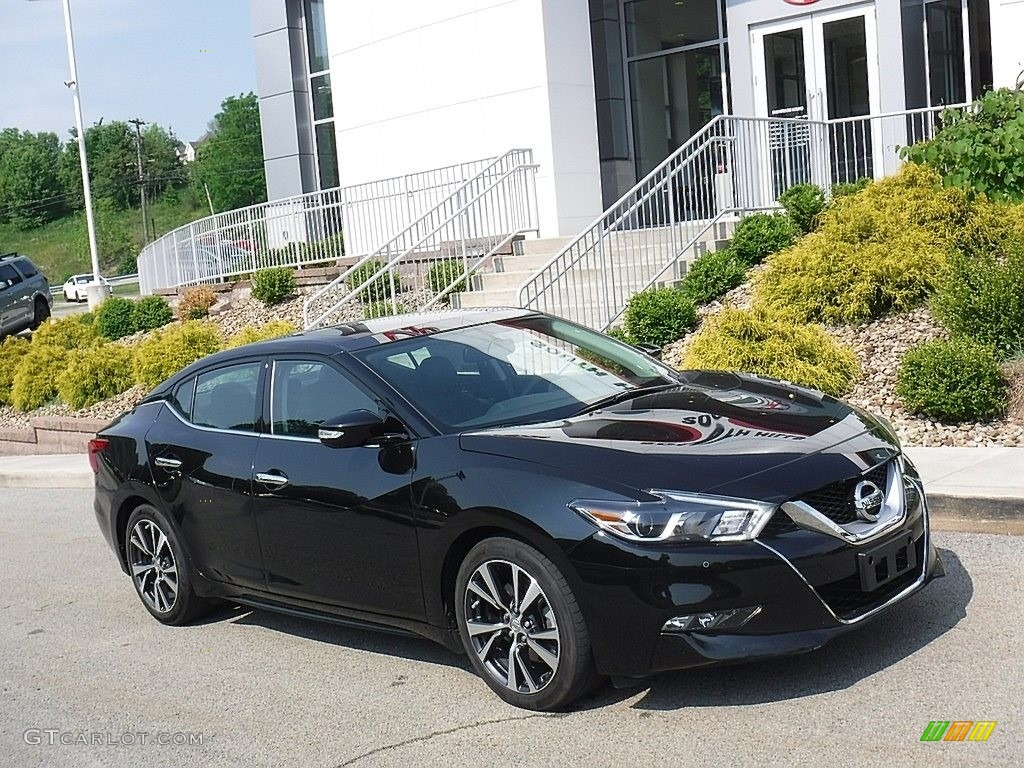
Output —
<point x="976" y="514"/>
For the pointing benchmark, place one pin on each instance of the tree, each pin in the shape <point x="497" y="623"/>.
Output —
<point x="31" y="192"/>
<point x="112" y="163"/>
<point x="114" y="243"/>
<point x="230" y="161"/>
<point x="162" y="167"/>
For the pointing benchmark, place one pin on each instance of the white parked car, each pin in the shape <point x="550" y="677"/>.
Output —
<point x="77" y="287"/>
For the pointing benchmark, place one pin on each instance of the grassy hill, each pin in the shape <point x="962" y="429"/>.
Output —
<point x="60" y="248"/>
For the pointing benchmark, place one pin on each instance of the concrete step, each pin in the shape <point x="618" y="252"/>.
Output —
<point x="540" y="245"/>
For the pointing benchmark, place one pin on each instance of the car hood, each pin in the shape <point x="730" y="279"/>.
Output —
<point x="721" y="433"/>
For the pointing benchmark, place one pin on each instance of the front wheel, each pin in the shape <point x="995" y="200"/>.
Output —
<point x="522" y="627"/>
<point x="41" y="313"/>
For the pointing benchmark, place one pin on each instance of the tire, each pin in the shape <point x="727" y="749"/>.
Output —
<point x="544" y="640"/>
<point x="169" y="601"/>
<point x="41" y="313"/>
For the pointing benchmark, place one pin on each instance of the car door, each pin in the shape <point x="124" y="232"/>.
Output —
<point x="16" y="311"/>
<point x="201" y="450"/>
<point x="336" y="524"/>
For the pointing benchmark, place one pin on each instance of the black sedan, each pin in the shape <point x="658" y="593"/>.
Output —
<point x="556" y="504"/>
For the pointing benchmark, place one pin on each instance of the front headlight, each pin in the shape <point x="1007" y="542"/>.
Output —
<point x="675" y="517"/>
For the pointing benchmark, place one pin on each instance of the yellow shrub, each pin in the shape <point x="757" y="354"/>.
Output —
<point x="66" y="333"/>
<point x="757" y="341"/>
<point x="95" y="374"/>
<point x="168" y="351"/>
<point x="272" y="330"/>
<point x="35" y="381"/>
<point x="12" y="350"/>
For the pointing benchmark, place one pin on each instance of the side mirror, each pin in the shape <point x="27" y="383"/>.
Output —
<point x="650" y="349"/>
<point x="359" y="428"/>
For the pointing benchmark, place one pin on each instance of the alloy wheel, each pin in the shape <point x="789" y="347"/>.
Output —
<point x="512" y="626"/>
<point x="153" y="566"/>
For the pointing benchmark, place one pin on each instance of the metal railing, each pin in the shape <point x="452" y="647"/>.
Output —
<point x="730" y="168"/>
<point x="318" y="227"/>
<point x="477" y="219"/>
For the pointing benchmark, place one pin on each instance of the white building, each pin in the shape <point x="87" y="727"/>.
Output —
<point x="601" y="90"/>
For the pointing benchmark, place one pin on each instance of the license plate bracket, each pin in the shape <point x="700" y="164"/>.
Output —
<point x="887" y="561"/>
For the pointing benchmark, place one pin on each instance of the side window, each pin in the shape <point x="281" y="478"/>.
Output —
<point x="226" y="398"/>
<point x="27" y="268"/>
<point x="8" y="276"/>
<point x="306" y="393"/>
<point x="183" y="396"/>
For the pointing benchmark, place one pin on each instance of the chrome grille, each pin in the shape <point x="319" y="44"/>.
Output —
<point x="835" y="500"/>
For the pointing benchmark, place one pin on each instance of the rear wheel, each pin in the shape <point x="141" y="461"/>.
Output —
<point x="160" y="569"/>
<point x="40" y="314"/>
<point x="522" y="627"/>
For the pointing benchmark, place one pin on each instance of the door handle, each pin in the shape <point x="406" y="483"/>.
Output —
<point x="272" y="478"/>
<point x="167" y="462"/>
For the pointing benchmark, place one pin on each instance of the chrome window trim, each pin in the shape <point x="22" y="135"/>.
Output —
<point x="187" y="423"/>
<point x="895" y="598"/>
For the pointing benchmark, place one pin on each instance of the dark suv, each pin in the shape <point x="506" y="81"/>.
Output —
<point x="25" y="300"/>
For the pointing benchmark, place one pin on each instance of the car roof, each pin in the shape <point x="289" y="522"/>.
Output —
<point x="350" y="337"/>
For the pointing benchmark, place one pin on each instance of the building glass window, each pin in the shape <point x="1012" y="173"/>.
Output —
<point x="327" y="155"/>
<point x="316" y="36"/>
<point x="320" y="89"/>
<point x="320" y="95"/>
<point x="661" y="25"/>
<point x="946" y="72"/>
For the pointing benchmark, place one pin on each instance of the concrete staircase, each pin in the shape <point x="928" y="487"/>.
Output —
<point x="500" y="287"/>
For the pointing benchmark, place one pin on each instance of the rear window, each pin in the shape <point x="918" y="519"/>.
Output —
<point x="226" y="398"/>
<point x="27" y="268"/>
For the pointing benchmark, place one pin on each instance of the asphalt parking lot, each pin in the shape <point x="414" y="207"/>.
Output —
<point x="81" y="661"/>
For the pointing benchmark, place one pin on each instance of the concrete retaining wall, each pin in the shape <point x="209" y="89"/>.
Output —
<point x="50" y="435"/>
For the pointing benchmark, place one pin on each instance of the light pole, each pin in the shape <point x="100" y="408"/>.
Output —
<point x="97" y="290"/>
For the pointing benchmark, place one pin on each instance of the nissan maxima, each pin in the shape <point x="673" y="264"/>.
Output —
<point x="559" y="506"/>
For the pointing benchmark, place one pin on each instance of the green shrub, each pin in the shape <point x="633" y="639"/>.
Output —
<point x="274" y="285"/>
<point x="378" y="289"/>
<point x="443" y="273"/>
<point x="773" y="345"/>
<point x="12" y="349"/>
<point x="150" y="313"/>
<point x="619" y="333"/>
<point x="955" y="380"/>
<point x="66" y="332"/>
<point x="95" y="374"/>
<point x="760" y="235"/>
<point x="803" y="203"/>
<point x="195" y="302"/>
<point x="167" y="351"/>
<point x="844" y="188"/>
<point x="382" y="309"/>
<point x="271" y="330"/>
<point x="659" y="316"/>
<point x="86" y="318"/>
<point x="880" y="250"/>
<point x="35" y="380"/>
<point x="115" y="318"/>
<point x="712" y="275"/>
<point x="982" y="296"/>
<point x="981" y="148"/>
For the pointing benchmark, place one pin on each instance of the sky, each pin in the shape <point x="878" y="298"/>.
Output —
<point x="166" y="61"/>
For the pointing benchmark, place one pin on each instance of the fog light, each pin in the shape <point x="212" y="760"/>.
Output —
<point x="712" y="620"/>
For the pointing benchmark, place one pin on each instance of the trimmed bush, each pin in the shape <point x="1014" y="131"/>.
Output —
<point x="381" y="309"/>
<point x="272" y="330"/>
<point x="35" y="380"/>
<point x="274" y="285"/>
<point x="982" y="296"/>
<point x="95" y="374"/>
<point x="712" y="275"/>
<point x="195" y="303"/>
<point x="844" y="188"/>
<point x="443" y="273"/>
<point x="168" y="351"/>
<point x="767" y="344"/>
<point x="150" y="313"/>
<point x="12" y="349"/>
<point x="981" y="148"/>
<point x="115" y="318"/>
<point x="760" y="235"/>
<point x="66" y="333"/>
<point x="883" y="249"/>
<point x="803" y="203"/>
<point x="379" y="288"/>
<point x="659" y="316"/>
<point x="957" y="380"/>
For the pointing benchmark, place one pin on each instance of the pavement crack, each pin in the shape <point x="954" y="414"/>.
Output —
<point x="444" y="732"/>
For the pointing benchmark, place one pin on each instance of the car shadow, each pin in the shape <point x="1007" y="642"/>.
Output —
<point x="844" y="662"/>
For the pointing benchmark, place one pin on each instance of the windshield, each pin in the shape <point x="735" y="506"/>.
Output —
<point x="520" y="371"/>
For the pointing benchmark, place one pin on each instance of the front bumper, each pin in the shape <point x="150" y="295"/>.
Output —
<point x="806" y="583"/>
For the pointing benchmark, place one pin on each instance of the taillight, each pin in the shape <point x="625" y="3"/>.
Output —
<point x="96" y="446"/>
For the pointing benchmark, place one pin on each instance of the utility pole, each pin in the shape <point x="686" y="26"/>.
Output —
<point x="142" y="177"/>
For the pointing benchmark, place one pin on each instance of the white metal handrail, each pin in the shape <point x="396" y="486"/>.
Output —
<point x="732" y="167"/>
<point x="317" y="227"/>
<point x="471" y="224"/>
